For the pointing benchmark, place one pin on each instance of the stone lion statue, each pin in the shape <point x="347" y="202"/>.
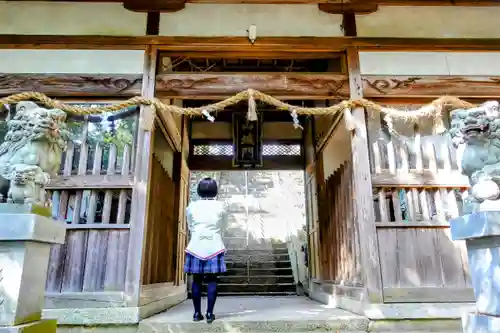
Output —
<point x="478" y="130"/>
<point x="31" y="152"/>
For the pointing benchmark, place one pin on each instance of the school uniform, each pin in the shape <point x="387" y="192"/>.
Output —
<point x="205" y="251"/>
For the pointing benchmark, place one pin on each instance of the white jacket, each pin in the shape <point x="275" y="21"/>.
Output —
<point x="204" y="218"/>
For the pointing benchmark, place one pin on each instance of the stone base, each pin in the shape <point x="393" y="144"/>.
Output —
<point x="481" y="232"/>
<point x="42" y="326"/>
<point x="479" y="323"/>
<point x="25" y="242"/>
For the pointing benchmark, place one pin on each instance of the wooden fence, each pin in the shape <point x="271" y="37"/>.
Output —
<point x="417" y="189"/>
<point x="92" y="195"/>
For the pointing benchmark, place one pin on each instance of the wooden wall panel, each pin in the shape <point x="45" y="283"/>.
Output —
<point x="160" y="246"/>
<point x="338" y="235"/>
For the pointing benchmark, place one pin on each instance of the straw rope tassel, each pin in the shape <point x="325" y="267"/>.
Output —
<point x="350" y="122"/>
<point x="252" y="107"/>
<point x="438" y="126"/>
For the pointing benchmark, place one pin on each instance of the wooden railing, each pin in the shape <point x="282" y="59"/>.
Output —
<point x="92" y="195"/>
<point x="417" y="188"/>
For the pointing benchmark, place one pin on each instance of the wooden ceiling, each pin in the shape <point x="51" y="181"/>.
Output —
<point x="329" y="6"/>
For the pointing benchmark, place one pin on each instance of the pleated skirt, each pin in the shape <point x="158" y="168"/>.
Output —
<point x="215" y="265"/>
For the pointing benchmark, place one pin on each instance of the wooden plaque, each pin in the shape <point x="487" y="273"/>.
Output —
<point x="247" y="141"/>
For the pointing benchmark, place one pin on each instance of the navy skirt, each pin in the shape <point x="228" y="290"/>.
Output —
<point x="194" y="265"/>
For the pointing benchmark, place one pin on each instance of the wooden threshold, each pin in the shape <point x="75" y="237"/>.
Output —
<point x="269" y="45"/>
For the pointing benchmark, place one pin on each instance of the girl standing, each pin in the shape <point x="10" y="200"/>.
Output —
<point x="205" y="251"/>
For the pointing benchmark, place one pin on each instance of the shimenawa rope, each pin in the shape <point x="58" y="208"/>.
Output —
<point x="433" y="110"/>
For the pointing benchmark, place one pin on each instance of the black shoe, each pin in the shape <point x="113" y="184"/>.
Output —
<point x="197" y="316"/>
<point x="210" y="318"/>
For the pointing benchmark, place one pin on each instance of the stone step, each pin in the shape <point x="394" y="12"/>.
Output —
<point x="262" y="257"/>
<point x="269" y="279"/>
<point x="256" y="288"/>
<point x="257" y="294"/>
<point x="259" y="265"/>
<point x="245" y="251"/>
<point x="259" y="271"/>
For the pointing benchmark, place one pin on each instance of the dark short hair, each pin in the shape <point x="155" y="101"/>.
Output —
<point x="207" y="188"/>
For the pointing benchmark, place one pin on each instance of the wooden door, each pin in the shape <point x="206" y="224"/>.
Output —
<point x="310" y="183"/>
<point x="182" y="225"/>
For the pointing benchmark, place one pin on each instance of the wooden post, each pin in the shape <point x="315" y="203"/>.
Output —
<point x="364" y="213"/>
<point x="138" y="212"/>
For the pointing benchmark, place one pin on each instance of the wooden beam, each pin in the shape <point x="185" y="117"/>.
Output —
<point x="269" y="45"/>
<point x="163" y="6"/>
<point x="280" y="85"/>
<point x="427" y="178"/>
<point x="72" y="85"/>
<point x="431" y="86"/>
<point x="169" y="5"/>
<point x="358" y="7"/>
<point x="363" y="202"/>
<point x="140" y="194"/>
<point x="153" y="24"/>
<point x="90" y="182"/>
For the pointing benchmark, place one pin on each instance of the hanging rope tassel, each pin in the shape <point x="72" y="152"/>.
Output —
<point x="295" y="118"/>
<point x="207" y="115"/>
<point x="438" y="126"/>
<point x="350" y="122"/>
<point x="389" y="123"/>
<point x="252" y="107"/>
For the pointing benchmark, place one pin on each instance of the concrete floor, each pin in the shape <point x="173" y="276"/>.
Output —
<point x="258" y="308"/>
<point x="258" y="314"/>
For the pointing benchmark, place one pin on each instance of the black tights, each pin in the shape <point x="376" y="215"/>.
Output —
<point x="211" y="280"/>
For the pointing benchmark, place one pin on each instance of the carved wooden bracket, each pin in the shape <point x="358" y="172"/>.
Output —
<point x="163" y="6"/>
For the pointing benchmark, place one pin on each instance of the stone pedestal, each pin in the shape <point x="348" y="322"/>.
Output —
<point x="481" y="231"/>
<point x="26" y="235"/>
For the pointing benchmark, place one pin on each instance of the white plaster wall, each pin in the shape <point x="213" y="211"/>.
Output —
<point x="430" y="63"/>
<point x="430" y="22"/>
<point x="337" y="150"/>
<point x="72" y="61"/>
<point x="69" y="18"/>
<point x="209" y="20"/>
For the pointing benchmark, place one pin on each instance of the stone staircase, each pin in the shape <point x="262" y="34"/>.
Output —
<point x="258" y="272"/>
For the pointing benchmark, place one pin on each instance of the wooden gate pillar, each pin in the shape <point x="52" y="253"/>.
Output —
<point x="364" y="213"/>
<point x="138" y="211"/>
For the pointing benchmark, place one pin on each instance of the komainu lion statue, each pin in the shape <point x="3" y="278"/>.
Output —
<point x="31" y="152"/>
<point x="478" y="129"/>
